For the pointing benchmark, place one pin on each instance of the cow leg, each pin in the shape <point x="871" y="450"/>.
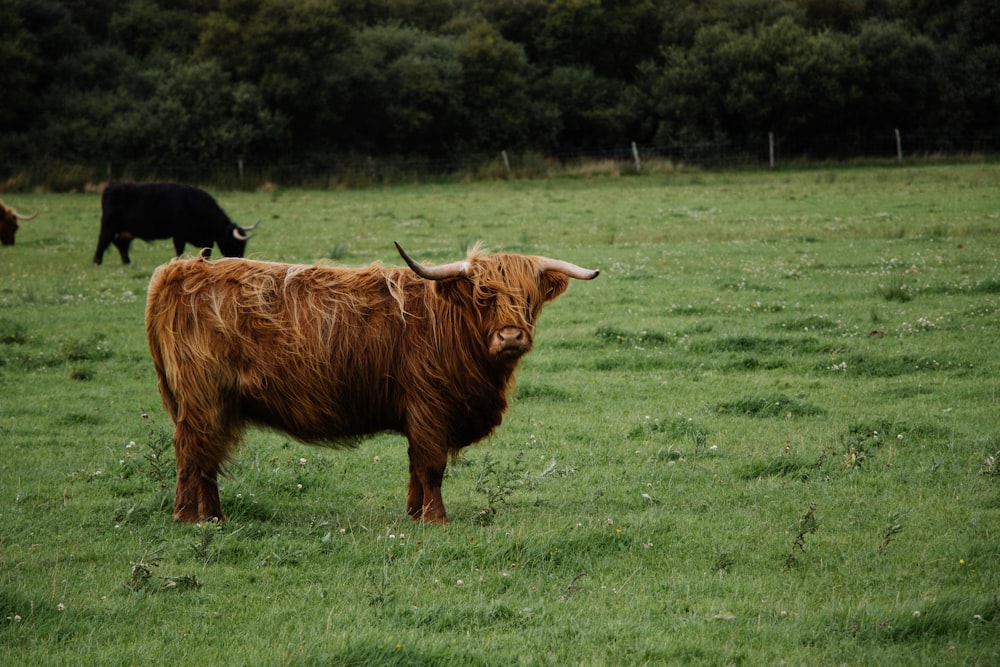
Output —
<point x="197" y="494"/>
<point x="179" y="245"/>
<point x="103" y="241"/>
<point x="123" y="243"/>
<point x="423" y="501"/>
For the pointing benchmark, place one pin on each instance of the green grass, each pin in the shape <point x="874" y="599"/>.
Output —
<point x="767" y="434"/>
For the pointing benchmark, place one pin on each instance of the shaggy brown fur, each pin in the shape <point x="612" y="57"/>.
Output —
<point x="8" y="223"/>
<point x="329" y="355"/>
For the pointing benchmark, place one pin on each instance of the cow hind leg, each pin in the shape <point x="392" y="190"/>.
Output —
<point x="197" y="494"/>
<point x="123" y="243"/>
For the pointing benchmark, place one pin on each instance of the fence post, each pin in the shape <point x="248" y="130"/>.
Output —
<point x="770" y="148"/>
<point x="240" y="167"/>
<point x="506" y="162"/>
<point x="899" y="147"/>
<point x="635" y="154"/>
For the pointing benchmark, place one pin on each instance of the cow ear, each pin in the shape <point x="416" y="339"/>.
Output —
<point x="457" y="290"/>
<point x="553" y="284"/>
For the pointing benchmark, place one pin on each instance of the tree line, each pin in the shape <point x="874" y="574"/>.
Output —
<point x="148" y="82"/>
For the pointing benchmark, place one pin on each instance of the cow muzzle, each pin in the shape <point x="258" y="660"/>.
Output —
<point x="510" y="342"/>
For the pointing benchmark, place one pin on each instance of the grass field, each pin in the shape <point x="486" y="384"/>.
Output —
<point x="768" y="433"/>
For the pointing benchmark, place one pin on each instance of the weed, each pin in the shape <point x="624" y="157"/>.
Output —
<point x="82" y="373"/>
<point x="675" y="428"/>
<point x="776" y="405"/>
<point x="205" y="533"/>
<point x="158" y="442"/>
<point x="338" y="251"/>
<point x="787" y="466"/>
<point x="497" y="483"/>
<point x="632" y="338"/>
<point x="383" y="594"/>
<point x="141" y="573"/>
<point x="991" y="465"/>
<point x="181" y="581"/>
<point x="807" y="525"/>
<point x="896" y="289"/>
<point x="853" y="458"/>
<point x="723" y="560"/>
<point x="893" y="527"/>
<point x="12" y="333"/>
<point x="573" y="586"/>
<point x="95" y="348"/>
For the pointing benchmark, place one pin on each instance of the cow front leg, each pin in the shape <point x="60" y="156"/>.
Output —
<point x="178" y="246"/>
<point x="197" y="494"/>
<point x="103" y="242"/>
<point x="423" y="500"/>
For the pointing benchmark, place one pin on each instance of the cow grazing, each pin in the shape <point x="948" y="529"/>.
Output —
<point x="152" y="211"/>
<point x="331" y="354"/>
<point x="8" y="223"/>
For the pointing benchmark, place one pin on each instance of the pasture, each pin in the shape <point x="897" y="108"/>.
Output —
<point x="768" y="433"/>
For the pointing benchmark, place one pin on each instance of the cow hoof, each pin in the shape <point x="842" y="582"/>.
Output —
<point x="194" y="517"/>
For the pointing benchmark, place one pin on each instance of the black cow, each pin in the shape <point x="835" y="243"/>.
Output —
<point x="151" y="211"/>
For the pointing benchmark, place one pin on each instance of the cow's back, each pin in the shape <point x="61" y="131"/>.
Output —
<point x="278" y="345"/>
<point x="163" y="210"/>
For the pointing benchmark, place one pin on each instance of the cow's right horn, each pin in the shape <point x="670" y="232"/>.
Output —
<point x="453" y="270"/>
<point x="21" y="216"/>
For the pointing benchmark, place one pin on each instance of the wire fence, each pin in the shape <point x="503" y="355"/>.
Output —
<point x="766" y="151"/>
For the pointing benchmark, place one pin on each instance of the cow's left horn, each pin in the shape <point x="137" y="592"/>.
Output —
<point x="238" y="235"/>
<point x="21" y="216"/>
<point x="571" y="270"/>
<point x="453" y="270"/>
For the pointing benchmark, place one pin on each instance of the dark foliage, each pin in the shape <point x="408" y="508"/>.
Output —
<point x="153" y="85"/>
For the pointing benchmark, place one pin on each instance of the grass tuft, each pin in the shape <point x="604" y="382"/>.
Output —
<point x="768" y="406"/>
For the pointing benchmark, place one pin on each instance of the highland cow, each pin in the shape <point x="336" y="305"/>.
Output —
<point x="329" y="355"/>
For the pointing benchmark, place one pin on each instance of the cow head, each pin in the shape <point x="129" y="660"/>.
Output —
<point x="233" y="242"/>
<point x="8" y="223"/>
<point x="505" y="293"/>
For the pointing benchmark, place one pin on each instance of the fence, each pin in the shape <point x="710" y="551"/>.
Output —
<point x="767" y="151"/>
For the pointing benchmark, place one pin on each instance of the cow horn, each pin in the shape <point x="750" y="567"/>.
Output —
<point x="571" y="270"/>
<point x="453" y="270"/>
<point x="21" y="216"/>
<point x="238" y="235"/>
<point x="251" y="227"/>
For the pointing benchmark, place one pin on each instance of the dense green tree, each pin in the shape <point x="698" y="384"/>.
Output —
<point x="737" y="85"/>
<point x="611" y="37"/>
<point x="520" y="21"/>
<point x="168" y="81"/>
<point x="19" y="68"/>
<point x="585" y="111"/>
<point x="900" y="81"/>
<point x="495" y="79"/>
<point x="840" y="15"/>
<point x="287" y="50"/>
<point x="428" y="15"/>
<point x="142" y="26"/>
<point x="199" y="113"/>
<point x="971" y="96"/>
<point x="401" y="91"/>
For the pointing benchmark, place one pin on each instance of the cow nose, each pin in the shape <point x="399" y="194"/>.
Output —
<point x="510" y="340"/>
